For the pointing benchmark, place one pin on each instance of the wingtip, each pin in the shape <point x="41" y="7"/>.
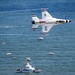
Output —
<point x="44" y="9"/>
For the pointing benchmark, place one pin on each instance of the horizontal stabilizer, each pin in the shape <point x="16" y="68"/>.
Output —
<point x="34" y="27"/>
<point x="34" y="17"/>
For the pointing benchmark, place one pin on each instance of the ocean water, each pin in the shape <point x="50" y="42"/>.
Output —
<point x="17" y="37"/>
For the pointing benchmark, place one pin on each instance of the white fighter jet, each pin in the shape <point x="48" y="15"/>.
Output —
<point x="47" y="21"/>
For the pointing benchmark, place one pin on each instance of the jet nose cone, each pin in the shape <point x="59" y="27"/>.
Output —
<point x="70" y="20"/>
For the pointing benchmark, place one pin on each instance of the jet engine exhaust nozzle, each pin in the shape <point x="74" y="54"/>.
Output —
<point x="33" y="22"/>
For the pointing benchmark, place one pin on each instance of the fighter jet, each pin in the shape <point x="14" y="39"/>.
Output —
<point x="47" y="21"/>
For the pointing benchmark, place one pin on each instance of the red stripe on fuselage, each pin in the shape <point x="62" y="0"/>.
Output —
<point x="41" y="21"/>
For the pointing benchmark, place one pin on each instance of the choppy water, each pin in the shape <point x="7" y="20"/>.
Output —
<point x="17" y="37"/>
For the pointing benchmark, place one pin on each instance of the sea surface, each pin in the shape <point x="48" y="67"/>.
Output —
<point x="17" y="37"/>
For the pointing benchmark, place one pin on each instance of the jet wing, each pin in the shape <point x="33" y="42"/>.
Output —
<point x="46" y="15"/>
<point x="46" y="28"/>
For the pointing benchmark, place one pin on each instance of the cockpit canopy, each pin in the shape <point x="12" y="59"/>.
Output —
<point x="60" y="21"/>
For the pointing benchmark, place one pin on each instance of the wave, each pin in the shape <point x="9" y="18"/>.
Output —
<point x="12" y="34"/>
<point x="20" y="10"/>
<point x="10" y="26"/>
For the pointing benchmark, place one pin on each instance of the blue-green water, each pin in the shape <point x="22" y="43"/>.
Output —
<point x="17" y="37"/>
